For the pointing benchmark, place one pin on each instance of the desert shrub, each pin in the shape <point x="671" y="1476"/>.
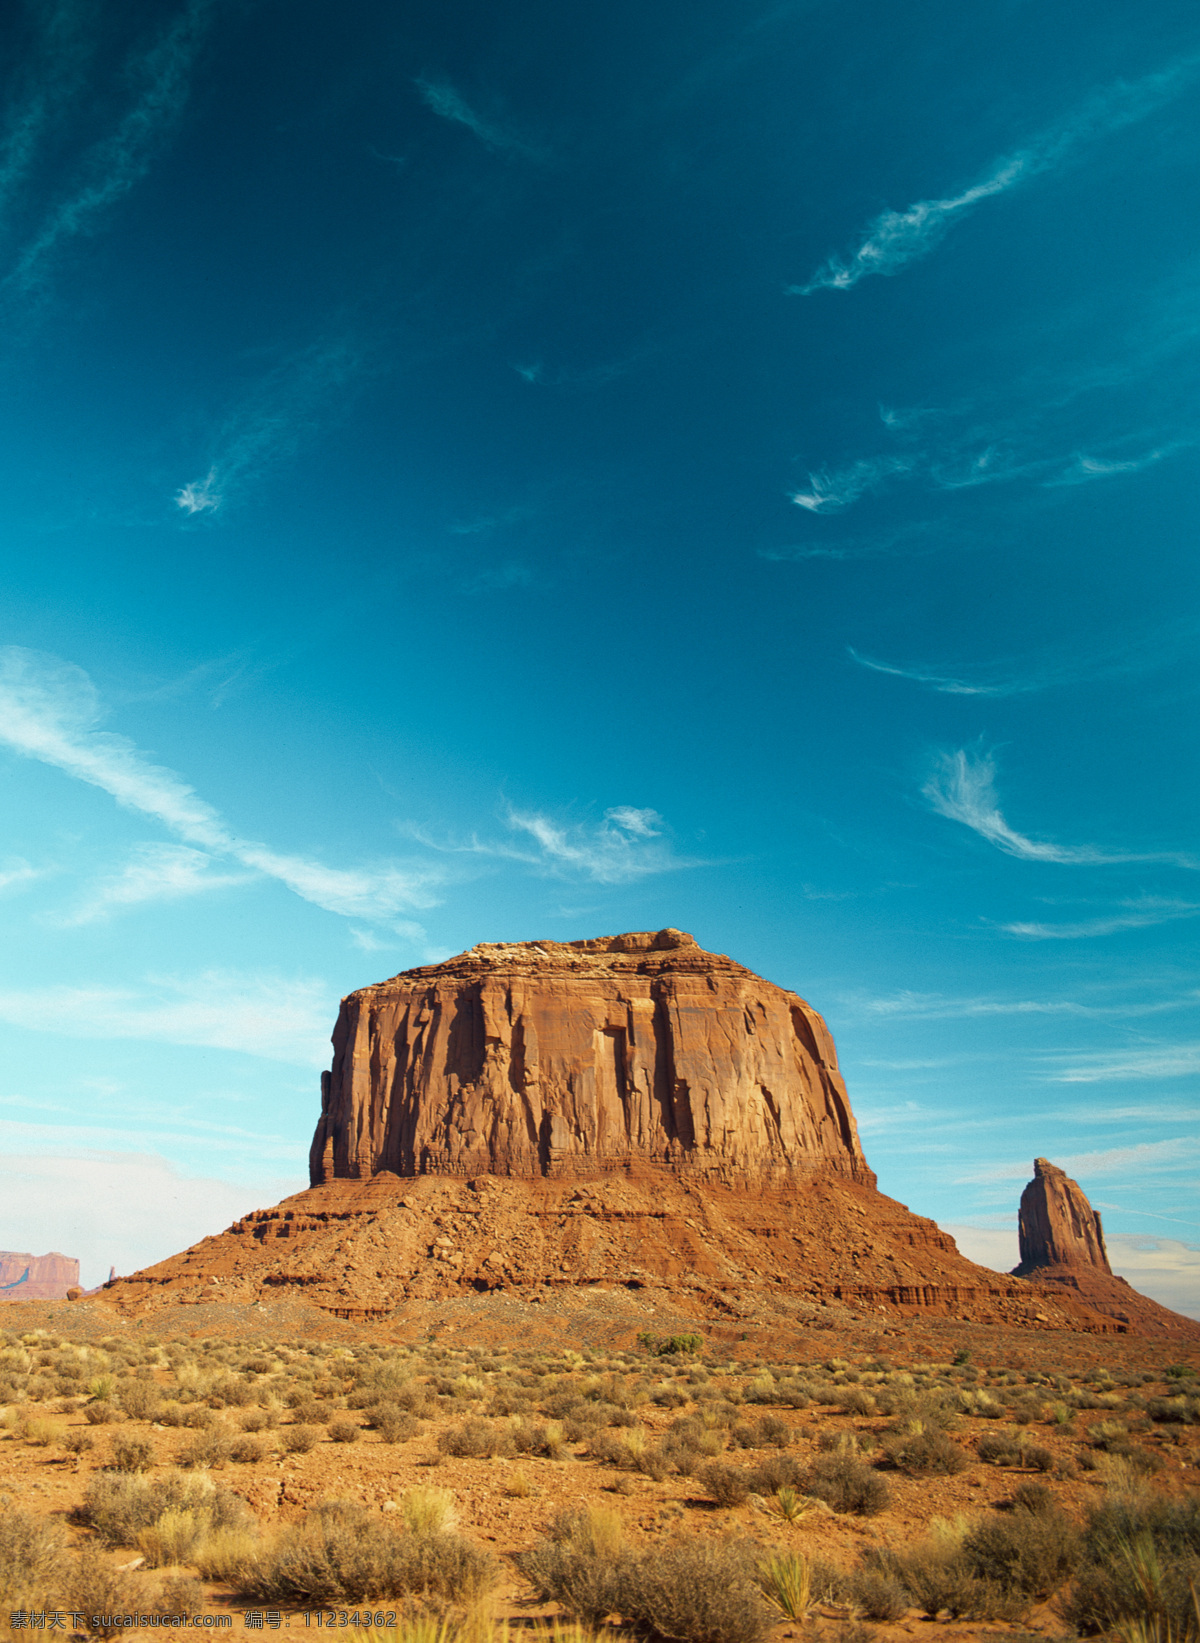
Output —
<point x="139" y="1399"/>
<point x="78" y="1442"/>
<point x="256" y="1420"/>
<point x="776" y="1472"/>
<point x="475" y="1439"/>
<point x="209" y="1448"/>
<point x="119" y="1505"/>
<point x="695" y="1592"/>
<point x="299" y="1440"/>
<point x="1031" y="1553"/>
<point x="1000" y="1449"/>
<point x="246" y="1451"/>
<point x="42" y="1433"/>
<point x="340" y="1554"/>
<point x="846" y="1484"/>
<point x="936" y="1576"/>
<point x="100" y="1413"/>
<point x="345" y="1431"/>
<point x="727" y="1485"/>
<point x="878" y="1595"/>
<point x="576" y="1564"/>
<point x="1184" y="1410"/>
<point x="133" y="1455"/>
<point x="1034" y="1497"/>
<point x="661" y="1346"/>
<point x="394" y="1425"/>
<point x="856" y="1400"/>
<point x="1141" y="1586"/>
<point x="925" y="1454"/>
<point x="225" y="1555"/>
<point x="101" y="1594"/>
<point x="427" y="1510"/>
<point x="32" y="1552"/>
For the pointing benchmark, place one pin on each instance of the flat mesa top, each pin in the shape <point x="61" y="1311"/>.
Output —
<point x="642" y="952"/>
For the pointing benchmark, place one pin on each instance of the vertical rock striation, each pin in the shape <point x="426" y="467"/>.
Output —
<point x="562" y="1059"/>
<point x="1057" y="1227"/>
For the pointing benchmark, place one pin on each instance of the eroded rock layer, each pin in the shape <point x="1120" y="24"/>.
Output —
<point x="368" y="1249"/>
<point x="570" y="1059"/>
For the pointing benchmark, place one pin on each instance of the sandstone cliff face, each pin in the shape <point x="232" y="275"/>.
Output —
<point x="36" y="1277"/>
<point x="1057" y="1226"/>
<point x="569" y="1059"/>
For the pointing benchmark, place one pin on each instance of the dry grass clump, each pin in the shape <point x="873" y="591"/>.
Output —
<point x="341" y="1554"/>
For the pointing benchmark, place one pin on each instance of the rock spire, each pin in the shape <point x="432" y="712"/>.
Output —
<point x="1057" y="1227"/>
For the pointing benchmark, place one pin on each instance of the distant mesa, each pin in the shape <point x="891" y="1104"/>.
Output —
<point x="36" y="1277"/>
<point x="633" y="1117"/>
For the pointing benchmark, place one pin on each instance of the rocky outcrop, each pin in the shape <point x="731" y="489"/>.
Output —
<point x="634" y="1119"/>
<point x="1056" y="1224"/>
<point x="571" y="1059"/>
<point x="1062" y="1249"/>
<point x="36" y="1277"/>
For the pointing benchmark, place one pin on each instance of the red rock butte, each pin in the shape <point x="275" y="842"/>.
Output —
<point x="569" y="1059"/>
<point x="631" y="1119"/>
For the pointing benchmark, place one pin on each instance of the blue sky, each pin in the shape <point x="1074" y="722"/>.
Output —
<point x="487" y="472"/>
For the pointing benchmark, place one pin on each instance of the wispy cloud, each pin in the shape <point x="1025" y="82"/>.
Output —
<point x="1084" y="469"/>
<point x="897" y="238"/>
<point x="118" y="162"/>
<point x="58" y="57"/>
<point x="962" y="787"/>
<point x="1144" y="1061"/>
<point x="907" y="1005"/>
<point x="1135" y="652"/>
<point x="628" y="844"/>
<point x="831" y="490"/>
<point x="156" y="873"/>
<point x="903" y="539"/>
<point x="280" y="1018"/>
<point x="1138" y="915"/>
<point x="449" y="104"/>
<point x="941" y="681"/>
<point x="17" y="874"/>
<point x="271" y="421"/>
<point x="48" y="708"/>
